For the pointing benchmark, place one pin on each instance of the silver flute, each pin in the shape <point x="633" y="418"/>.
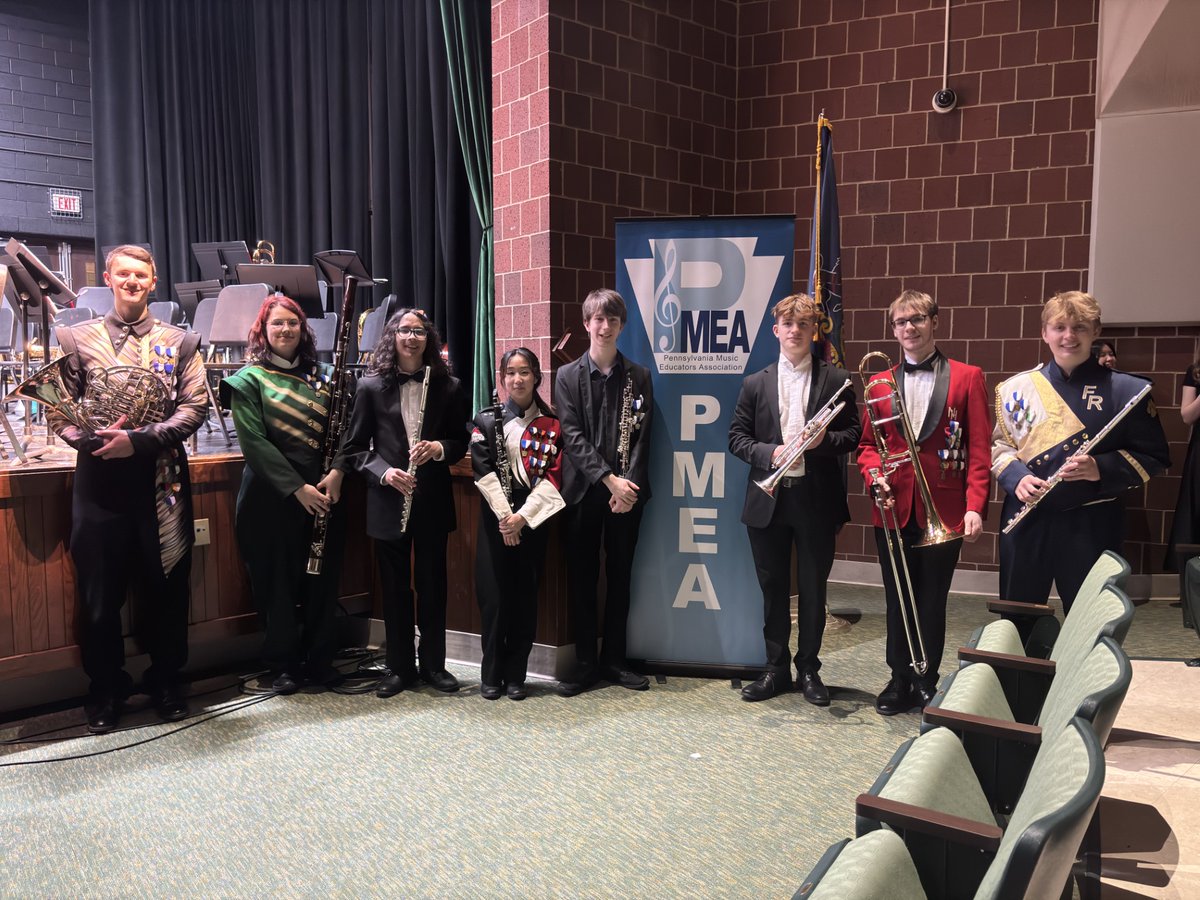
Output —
<point x="412" y="466"/>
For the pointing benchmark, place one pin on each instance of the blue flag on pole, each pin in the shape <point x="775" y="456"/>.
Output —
<point x="825" y="263"/>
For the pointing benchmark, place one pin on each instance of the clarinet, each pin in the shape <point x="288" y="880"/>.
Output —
<point x="503" y="471"/>
<point x="631" y="417"/>
<point x="412" y="466"/>
<point x="339" y="398"/>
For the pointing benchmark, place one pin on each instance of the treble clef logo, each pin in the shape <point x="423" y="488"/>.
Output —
<point x="666" y="302"/>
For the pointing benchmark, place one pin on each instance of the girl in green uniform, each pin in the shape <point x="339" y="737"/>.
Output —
<point x="280" y="401"/>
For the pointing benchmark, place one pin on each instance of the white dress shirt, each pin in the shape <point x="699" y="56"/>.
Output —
<point x="795" y="385"/>
<point x="918" y="389"/>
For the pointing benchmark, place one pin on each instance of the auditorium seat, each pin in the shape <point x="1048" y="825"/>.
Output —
<point x="920" y="854"/>
<point x="372" y="329"/>
<point x="167" y="311"/>
<point x="1002" y="636"/>
<point x="971" y="703"/>
<point x="1026" y="679"/>
<point x="325" y="335"/>
<point x="96" y="297"/>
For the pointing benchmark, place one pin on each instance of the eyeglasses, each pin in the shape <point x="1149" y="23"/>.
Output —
<point x="284" y="323"/>
<point x="412" y="331"/>
<point x="915" y="321"/>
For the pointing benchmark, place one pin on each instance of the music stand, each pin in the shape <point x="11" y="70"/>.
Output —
<point x="295" y="281"/>
<point x="47" y="281"/>
<point x="336" y="264"/>
<point x="188" y="295"/>
<point x="26" y="297"/>
<point x="217" y="259"/>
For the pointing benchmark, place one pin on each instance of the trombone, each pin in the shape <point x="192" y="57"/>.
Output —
<point x="796" y="447"/>
<point x="935" y="531"/>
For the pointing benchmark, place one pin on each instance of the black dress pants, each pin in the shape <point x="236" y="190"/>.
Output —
<point x="506" y="588"/>
<point x="297" y="609"/>
<point x="589" y="525"/>
<point x="931" y="570"/>
<point x="1058" y="546"/>
<point x="416" y="560"/>
<point x="800" y="521"/>
<point x="113" y="549"/>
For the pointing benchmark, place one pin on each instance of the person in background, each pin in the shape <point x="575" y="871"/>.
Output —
<point x="405" y="433"/>
<point x="1105" y="352"/>
<point x="1185" y="526"/>
<point x="280" y="401"/>
<point x="520" y="492"/>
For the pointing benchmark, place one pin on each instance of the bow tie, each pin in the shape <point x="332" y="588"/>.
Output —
<point x="925" y="366"/>
<point x="403" y="378"/>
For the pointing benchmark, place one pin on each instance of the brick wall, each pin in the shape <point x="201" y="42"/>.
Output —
<point x="601" y="110"/>
<point x="45" y="117"/>
<point x="687" y="107"/>
<point x="987" y="208"/>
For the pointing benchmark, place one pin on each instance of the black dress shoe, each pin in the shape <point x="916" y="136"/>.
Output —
<point x="814" y="689"/>
<point x="895" y="698"/>
<point x="285" y="683"/>
<point x="391" y="685"/>
<point x="517" y="692"/>
<point x="103" y="716"/>
<point x="440" y="681"/>
<point x="625" y="678"/>
<point x="490" y="691"/>
<point x="580" y="683"/>
<point x="169" y="703"/>
<point x="766" y="686"/>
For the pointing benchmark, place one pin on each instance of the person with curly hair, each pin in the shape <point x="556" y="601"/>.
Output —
<point x="408" y="427"/>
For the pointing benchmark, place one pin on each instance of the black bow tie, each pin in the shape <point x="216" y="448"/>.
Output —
<point x="403" y="378"/>
<point x="925" y="366"/>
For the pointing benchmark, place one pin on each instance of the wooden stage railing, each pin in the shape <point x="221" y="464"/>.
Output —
<point x="37" y="584"/>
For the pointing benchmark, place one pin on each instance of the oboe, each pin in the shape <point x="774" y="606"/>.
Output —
<point x="503" y="471"/>
<point x="412" y="466"/>
<point x="1086" y="447"/>
<point x="339" y="387"/>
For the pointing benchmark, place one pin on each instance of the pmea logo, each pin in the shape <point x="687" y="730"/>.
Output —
<point x="701" y="301"/>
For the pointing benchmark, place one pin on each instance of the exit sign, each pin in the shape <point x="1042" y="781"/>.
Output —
<point x="66" y="204"/>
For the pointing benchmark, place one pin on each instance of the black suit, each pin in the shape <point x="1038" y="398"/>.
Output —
<point x="588" y="520"/>
<point x="808" y="513"/>
<point x="376" y="441"/>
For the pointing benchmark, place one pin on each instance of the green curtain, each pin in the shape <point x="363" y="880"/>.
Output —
<point x="466" y="25"/>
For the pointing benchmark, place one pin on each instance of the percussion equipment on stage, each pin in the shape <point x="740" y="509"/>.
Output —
<point x="935" y="531"/>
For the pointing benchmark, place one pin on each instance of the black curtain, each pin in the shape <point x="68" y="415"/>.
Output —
<point x="314" y="124"/>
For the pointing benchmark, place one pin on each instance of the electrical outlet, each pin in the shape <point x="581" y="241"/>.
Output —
<point x="203" y="537"/>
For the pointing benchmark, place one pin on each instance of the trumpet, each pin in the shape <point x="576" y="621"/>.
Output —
<point x="796" y="447"/>
<point x="935" y="531"/>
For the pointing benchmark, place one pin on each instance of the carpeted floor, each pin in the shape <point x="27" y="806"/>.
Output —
<point x="680" y="791"/>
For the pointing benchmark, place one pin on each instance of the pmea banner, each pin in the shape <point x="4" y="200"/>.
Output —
<point x="699" y="293"/>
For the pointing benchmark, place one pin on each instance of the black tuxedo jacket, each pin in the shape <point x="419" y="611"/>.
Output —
<point x="377" y="440"/>
<point x="754" y="434"/>
<point x="583" y="465"/>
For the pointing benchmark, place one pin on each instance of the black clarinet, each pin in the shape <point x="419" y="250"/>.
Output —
<point x="339" y="405"/>
<point x="503" y="470"/>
